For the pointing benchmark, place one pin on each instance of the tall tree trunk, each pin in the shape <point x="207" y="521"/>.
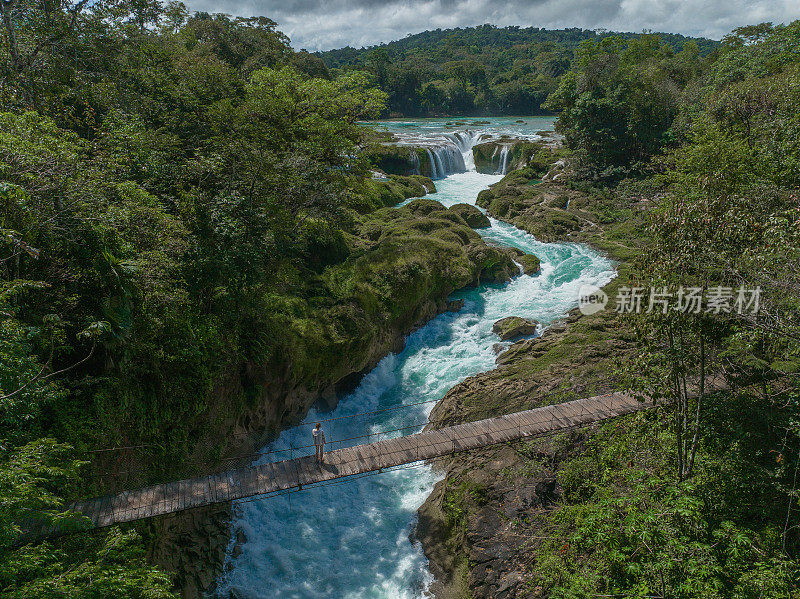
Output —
<point x="678" y="403"/>
<point x="6" y="9"/>
<point x="700" y="398"/>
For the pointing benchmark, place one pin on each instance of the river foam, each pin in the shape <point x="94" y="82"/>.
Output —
<point x="351" y="539"/>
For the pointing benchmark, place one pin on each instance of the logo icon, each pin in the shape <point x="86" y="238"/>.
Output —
<point x="591" y="299"/>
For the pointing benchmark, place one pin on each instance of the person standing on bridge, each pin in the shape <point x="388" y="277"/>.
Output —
<point x="319" y="441"/>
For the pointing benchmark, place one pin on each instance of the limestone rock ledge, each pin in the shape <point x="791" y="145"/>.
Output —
<point x="513" y="327"/>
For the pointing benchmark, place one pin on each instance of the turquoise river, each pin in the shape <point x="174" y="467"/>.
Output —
<point x="353" y="540"/>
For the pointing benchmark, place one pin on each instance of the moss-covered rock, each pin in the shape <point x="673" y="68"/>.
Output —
<point x="422" y="184"/>
<point x="531" y="154"/>
<point x="521" y="154"/>
<point x="423" y="206"/>
<point x="548" y="211"/>
<point x="484" y="198"/>
<point x="530" y="264"/>
<point x="471" y="215"/>
<point x="414" y="186"/>
<point x="368" y="195"/>
<point x="487" y="157"/>
<point x="513" y="327"/>
<point x="400" y="266"/>
<point x="400" y="160"/>
<point x="496" y="265"/>
<point x="392" y="159"/>
<point x="404" y="257"/>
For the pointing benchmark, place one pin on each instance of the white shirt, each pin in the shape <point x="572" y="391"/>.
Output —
<point x="319" y="436"/>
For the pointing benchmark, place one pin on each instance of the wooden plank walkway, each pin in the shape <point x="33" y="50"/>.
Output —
<point x="287" y="475"/>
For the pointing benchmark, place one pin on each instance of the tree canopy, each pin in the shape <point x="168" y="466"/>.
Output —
<point x="159" y="172"/>
<point x="478" y="70"/>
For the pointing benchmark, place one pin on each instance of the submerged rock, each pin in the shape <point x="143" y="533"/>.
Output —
<point x="512" y="327"/>
<point x="454" y="305"/>
<point x="471" y="215"/>
<point x="241" y="539"/>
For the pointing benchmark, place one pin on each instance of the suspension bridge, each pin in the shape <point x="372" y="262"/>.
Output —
<point x="294" y="474"/>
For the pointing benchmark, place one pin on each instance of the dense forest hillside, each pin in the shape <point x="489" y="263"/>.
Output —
<point x="478" y="70"/>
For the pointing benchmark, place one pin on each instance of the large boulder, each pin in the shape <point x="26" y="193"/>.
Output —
<point x="424" y="206"/>
<point x="487" y="157"/>
<point x="513" y="327"/>
<point x="471" y="215"/>
<point x="519" y="153"/>
<point x="530" y="264"/>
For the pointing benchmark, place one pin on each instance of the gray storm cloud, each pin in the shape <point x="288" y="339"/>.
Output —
<point x="317" y="25"/>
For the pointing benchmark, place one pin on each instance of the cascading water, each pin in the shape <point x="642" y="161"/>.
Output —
<point x="449" y="160"/>
<point x="448" y="153"/>
<point x="502" y="167"/>
<point x="464" y="141"/>
<point x="351" y="540"/>
<point x="432" y="160"/>
<point x="414" y="163"/>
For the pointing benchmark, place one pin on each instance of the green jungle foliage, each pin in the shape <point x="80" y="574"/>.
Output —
<point x="183" y="208"/>
<point x="476" y="70"/>
<point x="698" y="499"/>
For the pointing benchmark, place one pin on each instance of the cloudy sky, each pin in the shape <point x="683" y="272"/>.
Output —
<point x="326" y="24"/>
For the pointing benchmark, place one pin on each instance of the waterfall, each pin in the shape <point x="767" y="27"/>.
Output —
<point x="445" y="159"/>
<point x="464" y="141"/>
<point x="503" y="167"/>
<point x="442" y="160"/>
<point x="439" y="165"/>
<point x="434" y="172"/>
<point x="448" y="153"/>
<point x="414" y="160"/>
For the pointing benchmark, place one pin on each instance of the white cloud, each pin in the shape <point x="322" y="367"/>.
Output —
<point x="317" y="25"/>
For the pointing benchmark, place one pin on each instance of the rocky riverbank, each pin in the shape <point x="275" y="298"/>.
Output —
<point x="480" y="526"/>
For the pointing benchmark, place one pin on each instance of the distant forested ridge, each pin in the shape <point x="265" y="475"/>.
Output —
<point x="478" y="70"/>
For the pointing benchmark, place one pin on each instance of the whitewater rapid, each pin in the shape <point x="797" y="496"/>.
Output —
<point x="350" y="540"/>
